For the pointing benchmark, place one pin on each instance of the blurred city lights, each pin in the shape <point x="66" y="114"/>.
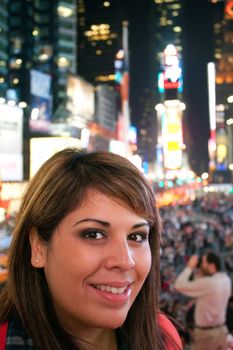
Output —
<point x="205" y="176"/>
<point x="11" y="103"/>
<point x="230" y="99"/>
<point x="22" y="104"/>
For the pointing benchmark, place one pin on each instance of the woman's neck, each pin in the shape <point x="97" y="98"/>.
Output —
<point x="98" y="339"/>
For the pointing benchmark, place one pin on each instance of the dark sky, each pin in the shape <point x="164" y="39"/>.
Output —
<point x="197" y="52"/>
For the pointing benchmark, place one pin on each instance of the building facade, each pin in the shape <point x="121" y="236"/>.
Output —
<point x="169" y="106"/>
<point x="222" y="166"/>
<point x="3" y="47"/>
<point x="42" y="37"/>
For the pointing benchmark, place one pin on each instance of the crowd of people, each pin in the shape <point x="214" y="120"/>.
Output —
<point x="203" y="225"/>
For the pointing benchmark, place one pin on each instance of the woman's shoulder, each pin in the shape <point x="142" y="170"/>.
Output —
<point x="14" y="335"/>
<point x="169" y="329"/>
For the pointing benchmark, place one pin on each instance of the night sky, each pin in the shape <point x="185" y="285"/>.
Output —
<point x="197" y="52"/>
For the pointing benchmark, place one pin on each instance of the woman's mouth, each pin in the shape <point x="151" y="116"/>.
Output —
<point x="110" y="289"/>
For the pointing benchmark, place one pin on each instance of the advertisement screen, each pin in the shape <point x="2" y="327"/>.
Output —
<point x="41" y="101"/>
<point x="11" y="143"/>
<point x="172" y="135"/>
<point x="42" y="148"/>
<point x="81" y="102"/>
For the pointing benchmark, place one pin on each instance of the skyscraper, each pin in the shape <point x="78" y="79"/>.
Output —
<point x="3" y="47"/>
<point x="103" y="60"/>
<point x="99" y="39"/>
<point x="223" y="56"/>
<point x="169" y="106"/>
<point x="42" y="37"/>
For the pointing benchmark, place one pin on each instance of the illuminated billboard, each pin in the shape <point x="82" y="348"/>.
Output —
<point x="41" y="101"/>
<point x="81" y="100"/>
<point x="11" y="143"/>
<point x="42" y="148"/>
<point x="170" y="78"/>
<point x="172" y="134"/>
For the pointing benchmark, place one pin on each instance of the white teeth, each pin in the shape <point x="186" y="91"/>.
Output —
<point x="112" y="290"/>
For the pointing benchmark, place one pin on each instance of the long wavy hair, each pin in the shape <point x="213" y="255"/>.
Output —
<point x="59" y="187"/>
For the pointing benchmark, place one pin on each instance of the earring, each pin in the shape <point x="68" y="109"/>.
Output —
<point x="37" y="261"/>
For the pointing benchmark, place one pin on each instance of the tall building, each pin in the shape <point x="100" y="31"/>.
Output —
<point x="221" y="135"/>
<point x="103" y="62"/>
<point x="99" y="39"/>
<point x="169" y="26"/>
<point x="146" y="127"/>
<point x="169" y="106"/>
<point x="42" y="38"/>
<point x="38" y="53"/>
<point x="3" y="47"/>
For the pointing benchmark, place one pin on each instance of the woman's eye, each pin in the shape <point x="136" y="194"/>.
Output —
<point x="138" y="237"/>
<point x="94" y="235"/>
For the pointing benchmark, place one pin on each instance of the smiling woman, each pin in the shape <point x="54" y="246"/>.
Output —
<point x="84" y="260"/>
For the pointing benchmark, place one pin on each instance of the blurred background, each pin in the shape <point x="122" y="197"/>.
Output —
<point x="151" y="80"/>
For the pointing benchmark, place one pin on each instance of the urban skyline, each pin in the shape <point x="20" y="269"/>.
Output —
<point x="53" y="78"/>
<point x="197" y="52"/>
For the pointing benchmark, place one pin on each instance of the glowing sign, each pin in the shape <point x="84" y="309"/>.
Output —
<point x="172" y="135"/>
<point x="171" y="77"/>
<point x="229" y="8"/>
<point x="173" y="146"/>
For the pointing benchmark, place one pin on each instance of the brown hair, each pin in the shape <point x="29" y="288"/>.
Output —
<point x="59" y="187"/>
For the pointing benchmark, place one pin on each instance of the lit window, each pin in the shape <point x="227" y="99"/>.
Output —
<point x="43" y="57"/>
<point x="15" y="81"/>
<point x="64" y="11"/>
<point x="177" y="29"/>
<point x="63" y="62"/>
<point x="98" y="52"/>
<point x="99" y="32"/>
<point x="11" y="102"/>
<point x="22" y="104"/>
<point x="15" y="63"/>
<point x="45" y="52"/>
<point x="94" y="27"/>
<point x="35" y="32"/>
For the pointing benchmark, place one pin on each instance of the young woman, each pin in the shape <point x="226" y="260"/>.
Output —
<point x="84" y="260"/>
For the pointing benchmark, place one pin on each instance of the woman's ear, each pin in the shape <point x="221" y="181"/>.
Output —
<point x="38" y="249"/>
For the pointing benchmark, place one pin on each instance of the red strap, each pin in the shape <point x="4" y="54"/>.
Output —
<point x="3" y="333"/>
<point x="168" y="326"/>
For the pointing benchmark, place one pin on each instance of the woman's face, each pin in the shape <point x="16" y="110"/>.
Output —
<point x="96" y="263"/>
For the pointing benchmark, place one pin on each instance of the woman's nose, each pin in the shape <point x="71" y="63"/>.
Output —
<point x="119" y="255"/>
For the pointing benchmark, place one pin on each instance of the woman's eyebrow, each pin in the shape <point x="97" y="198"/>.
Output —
<point x="141" y="224"/>
<point x="107" y="224"/>
<point x="101" y="222"/>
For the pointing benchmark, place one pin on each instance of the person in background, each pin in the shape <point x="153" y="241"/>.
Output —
<point x="84" y="260"/>
<point x="212" y="290"/>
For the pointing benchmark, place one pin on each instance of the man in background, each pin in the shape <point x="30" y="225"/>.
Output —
<point x="212" y="290"/>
